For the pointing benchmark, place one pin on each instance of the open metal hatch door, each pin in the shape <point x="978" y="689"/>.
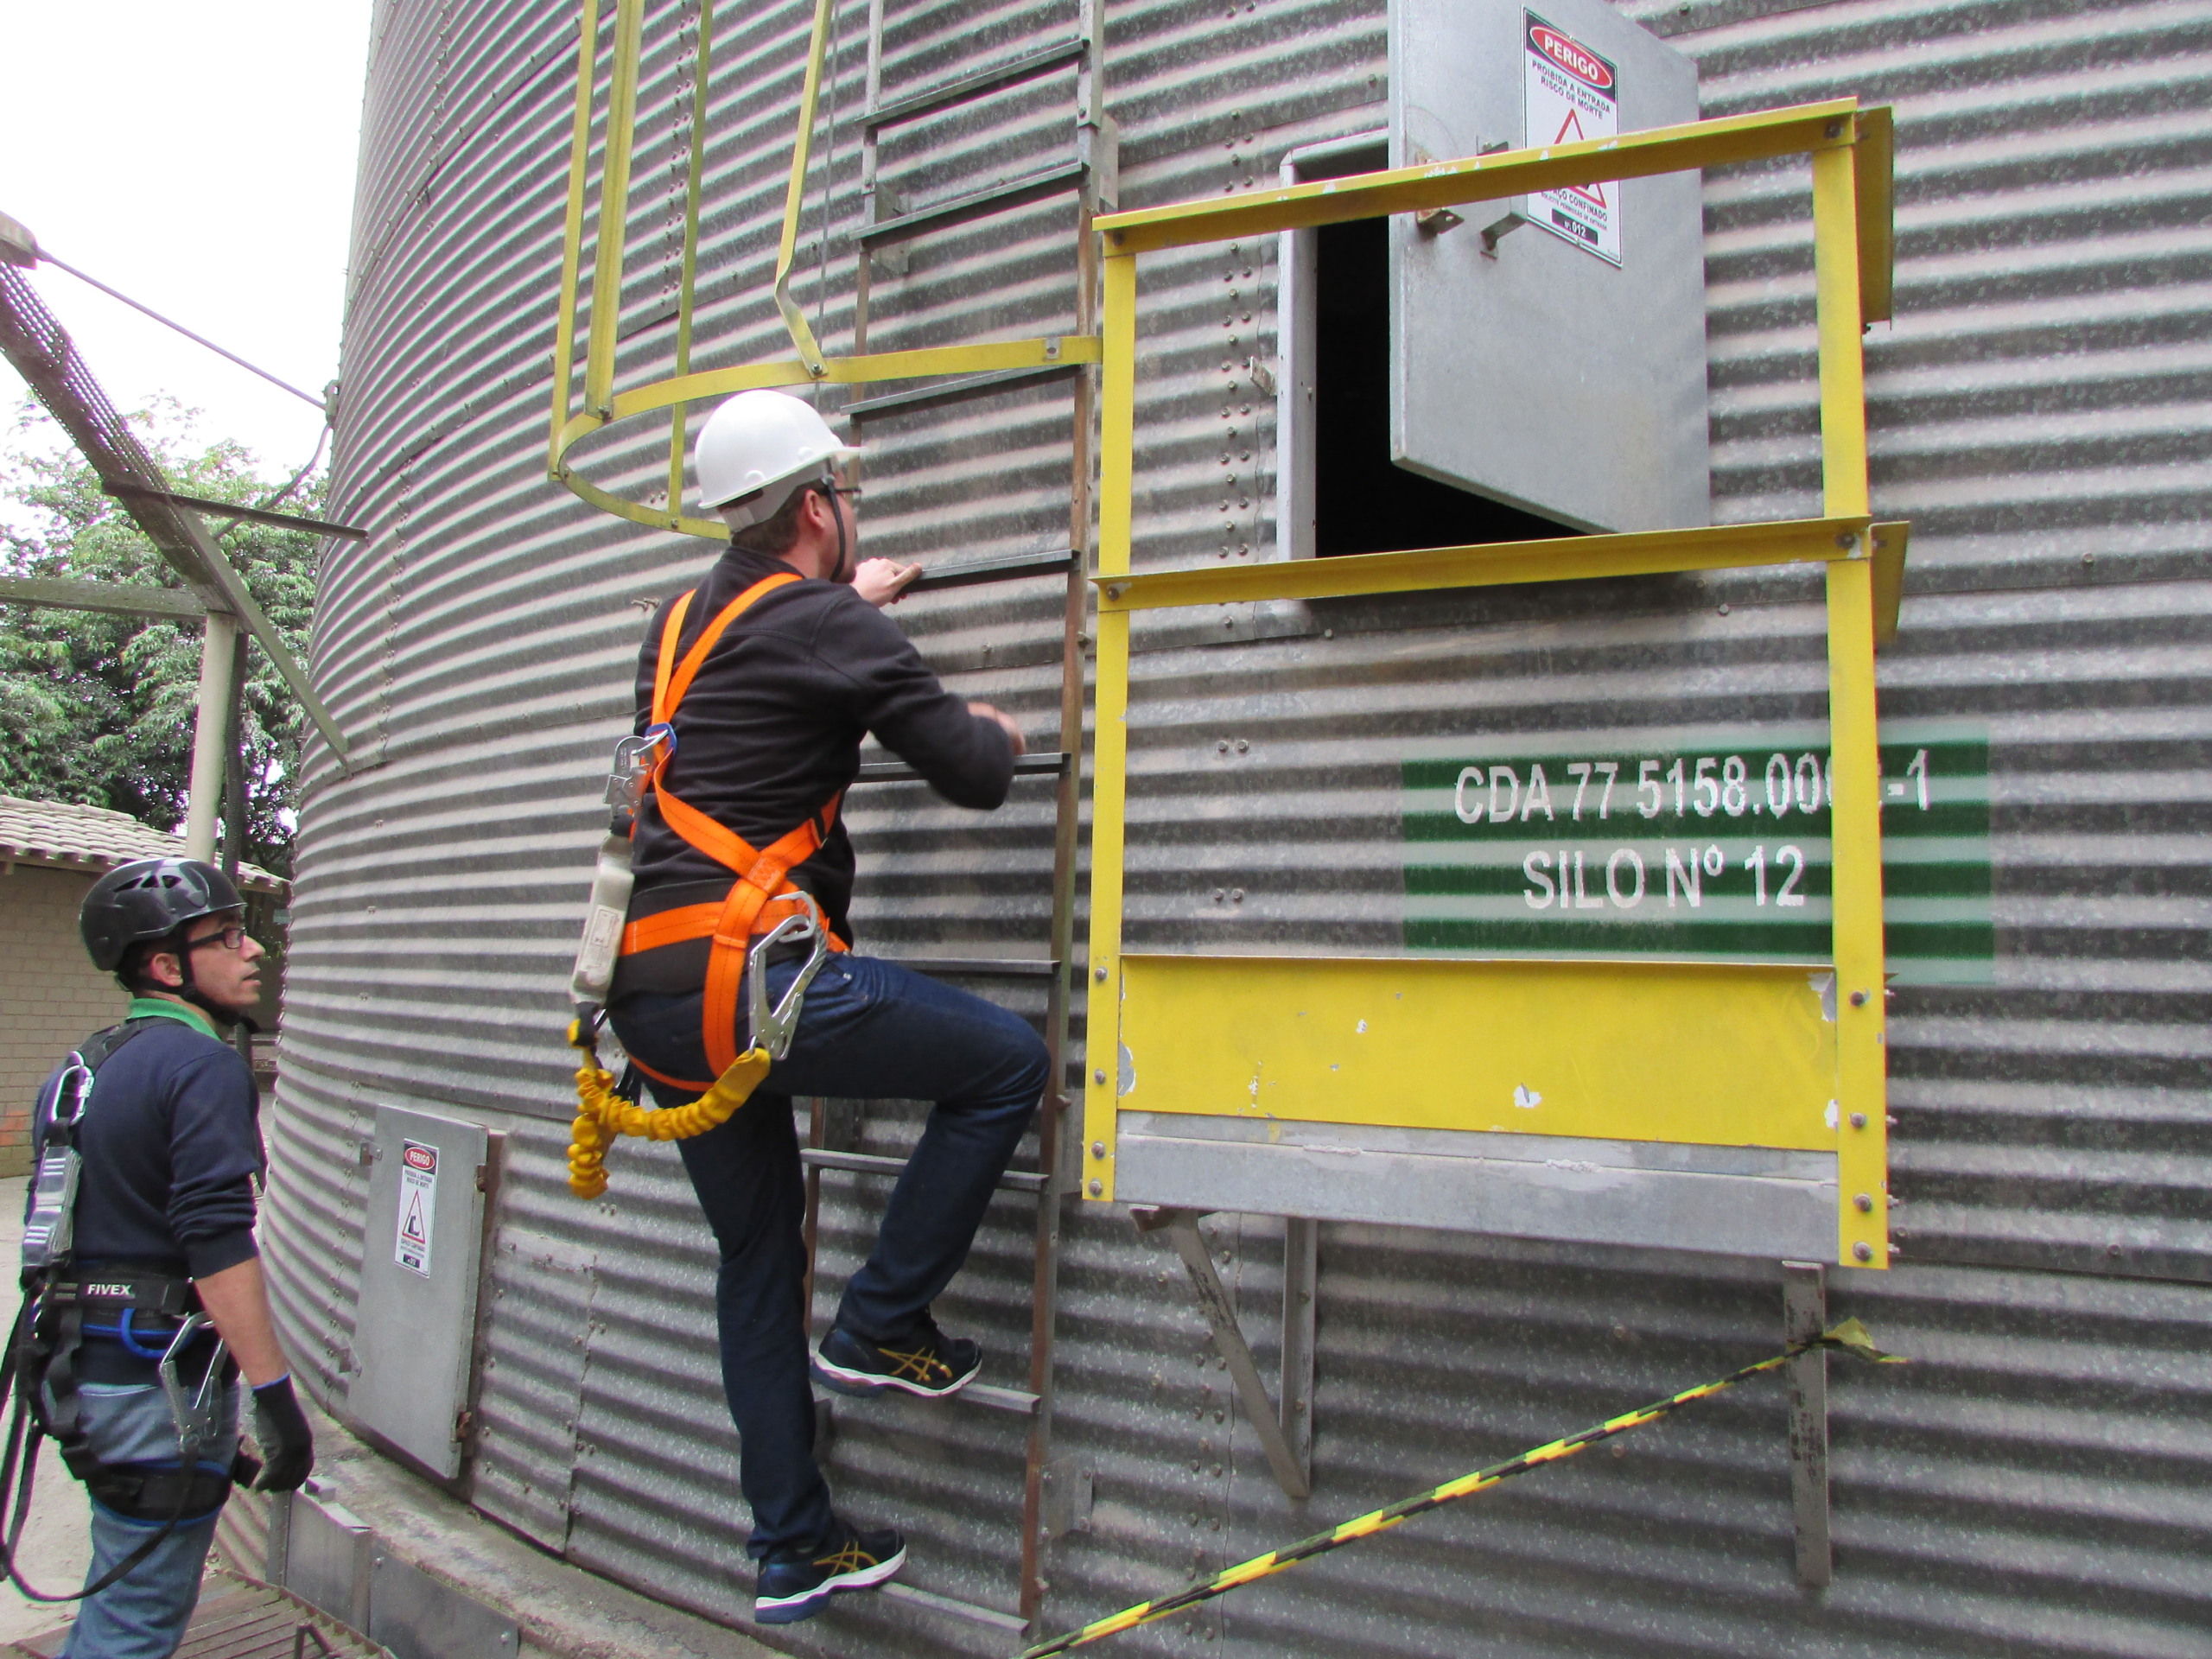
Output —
<point x="1549" y="353"/>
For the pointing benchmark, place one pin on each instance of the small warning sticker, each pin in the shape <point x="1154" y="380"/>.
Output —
<point x="418" y="1204"/>
<point x="1573" y="94"/>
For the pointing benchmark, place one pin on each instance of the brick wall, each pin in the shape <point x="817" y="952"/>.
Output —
<point x="50" y="993"/>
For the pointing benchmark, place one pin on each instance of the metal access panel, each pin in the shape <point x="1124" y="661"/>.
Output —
<point x="1549" y="352"/>
<point x="421" y="1245"/>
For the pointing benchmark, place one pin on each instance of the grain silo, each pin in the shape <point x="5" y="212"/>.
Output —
<point x="2028" y="1485"/>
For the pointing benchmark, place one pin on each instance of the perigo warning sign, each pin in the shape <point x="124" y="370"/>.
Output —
<point x="418" y="1206"/>
<point x="1573" y="94"/>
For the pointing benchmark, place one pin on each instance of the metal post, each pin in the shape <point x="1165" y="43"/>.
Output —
<point x="1804" y="1316"/>
<point x="234" y="798"/>
<point x="211" y="719"/>
<point x="1116" y="445"/>
<point x="1855" y="807"/>
<point x="1301" y="1283"/>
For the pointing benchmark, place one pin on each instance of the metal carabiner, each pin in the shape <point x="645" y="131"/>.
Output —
<point x="193" y="1414"/>
<point x="76" y="1084"/>
<point x="634" y="760"/>
<point x="773" y="1029"/>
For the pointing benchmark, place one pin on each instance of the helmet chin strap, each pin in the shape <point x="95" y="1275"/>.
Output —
<point x="188" y="988"/>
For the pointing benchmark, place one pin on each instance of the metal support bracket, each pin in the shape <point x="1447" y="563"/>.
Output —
<point x="1181" y="1227"/>
<point x="1301" y="1284"/>
<point x="1804" y="1316"/>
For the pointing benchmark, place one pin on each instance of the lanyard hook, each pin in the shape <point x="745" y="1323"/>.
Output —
<point x="773" y="1029"/>
<point x="194" y="1413"/>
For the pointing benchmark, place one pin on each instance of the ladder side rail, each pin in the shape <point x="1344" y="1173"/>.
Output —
<point x="687" y="282"/>
<point x="1053" y="1125"/>
<point x="864" y="272"/>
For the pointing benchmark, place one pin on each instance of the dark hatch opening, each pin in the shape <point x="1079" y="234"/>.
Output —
<point x="1364" y="502"/>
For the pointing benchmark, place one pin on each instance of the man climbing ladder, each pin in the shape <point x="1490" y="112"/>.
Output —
<point x="754" y="690"/>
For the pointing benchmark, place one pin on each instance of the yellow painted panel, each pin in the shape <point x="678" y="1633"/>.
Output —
<point x="1710" y="1054"/>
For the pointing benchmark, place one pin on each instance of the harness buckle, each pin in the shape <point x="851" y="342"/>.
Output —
<point x="194" y="1413"/>
<point x="635" y="759"/>
<point x="773" y="1029"/>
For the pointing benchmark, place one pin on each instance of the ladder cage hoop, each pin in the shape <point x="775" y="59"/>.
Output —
<point x="595" y="326"/>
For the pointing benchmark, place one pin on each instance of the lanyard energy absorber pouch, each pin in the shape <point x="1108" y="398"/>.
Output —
<point x="632" y="771"/>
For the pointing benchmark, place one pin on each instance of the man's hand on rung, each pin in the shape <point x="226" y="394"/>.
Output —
<point x="883" y="581"/>
<point x="984" y="711"/>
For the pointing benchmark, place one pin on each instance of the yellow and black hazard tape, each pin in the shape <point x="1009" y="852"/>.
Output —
<point x="1850" y="1337"/>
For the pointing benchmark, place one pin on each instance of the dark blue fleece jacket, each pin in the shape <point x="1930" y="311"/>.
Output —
<point x="171" y="1142"/>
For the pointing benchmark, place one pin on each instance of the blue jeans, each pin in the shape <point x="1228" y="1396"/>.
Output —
<point x="869" y="1030"/>
<point x="143" y="1614"/>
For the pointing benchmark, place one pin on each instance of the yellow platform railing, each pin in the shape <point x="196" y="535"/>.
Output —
<point x="1725" y="1054"/>
<point x="602" y="405"/>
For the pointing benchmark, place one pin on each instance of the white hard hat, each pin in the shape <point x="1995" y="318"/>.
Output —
<point x="756" y="449"/>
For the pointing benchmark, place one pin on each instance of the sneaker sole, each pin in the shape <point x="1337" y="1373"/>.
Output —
<point x="789" y="1609"/>
<point x="860" y="1384"/>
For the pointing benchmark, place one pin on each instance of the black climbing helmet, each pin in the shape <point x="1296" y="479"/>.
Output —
<point x="147" y="900"/>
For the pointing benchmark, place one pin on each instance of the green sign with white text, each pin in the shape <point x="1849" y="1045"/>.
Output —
<point x="1714" y="847"/>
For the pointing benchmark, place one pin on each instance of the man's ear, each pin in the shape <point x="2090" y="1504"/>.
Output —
<point x="164" y="967"/>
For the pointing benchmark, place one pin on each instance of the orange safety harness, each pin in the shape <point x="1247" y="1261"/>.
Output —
<point x="762" y="878"/>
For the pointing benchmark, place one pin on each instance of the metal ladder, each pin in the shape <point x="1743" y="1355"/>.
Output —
<point x="1050" y="1494"/>
<point x="1086" y="173"/>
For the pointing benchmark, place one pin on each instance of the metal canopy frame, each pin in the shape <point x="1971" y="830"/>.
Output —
<point x="1662" y="1085"/>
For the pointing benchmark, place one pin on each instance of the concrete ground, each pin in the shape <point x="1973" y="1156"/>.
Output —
<point x="55" y="1549"/>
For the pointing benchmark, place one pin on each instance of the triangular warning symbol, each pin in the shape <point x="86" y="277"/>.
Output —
<point x="412" y="1227"/>
<point x="1594" y="194"/>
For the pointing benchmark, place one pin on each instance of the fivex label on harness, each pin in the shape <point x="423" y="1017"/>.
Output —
<point x="1572" y="95"/>
<point x="418" y="1204"/>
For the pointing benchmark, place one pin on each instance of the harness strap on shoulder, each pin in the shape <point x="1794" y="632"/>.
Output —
<point x="671" y="680"/>
<point x="762" y="876"/>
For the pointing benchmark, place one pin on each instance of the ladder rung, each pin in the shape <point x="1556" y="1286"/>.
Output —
<point x="1030" y="187"/>
<point x="1005" y="568"/>
<point x="952" y="392"/>
<point x="1021" y="1402"/>
<point x="1043" y="59"/>
<point x="896" y="1591"/>
<point x="1049" y="765"/>
<point x="869" y="1163"/>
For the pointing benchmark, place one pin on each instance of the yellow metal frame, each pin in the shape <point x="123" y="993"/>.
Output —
<point x="602" y="405"/>
<point x="1684" y="1052"/>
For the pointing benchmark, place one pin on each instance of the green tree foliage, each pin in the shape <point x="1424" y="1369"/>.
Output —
<point x="99" y="709"/>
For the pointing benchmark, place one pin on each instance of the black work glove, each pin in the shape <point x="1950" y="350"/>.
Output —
<point x="287" y="1446"/>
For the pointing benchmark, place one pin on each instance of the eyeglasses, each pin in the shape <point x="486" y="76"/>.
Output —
<point x="230" y="938"/>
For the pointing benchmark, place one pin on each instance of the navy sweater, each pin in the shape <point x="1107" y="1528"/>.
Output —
<point x="171" y="1143"/>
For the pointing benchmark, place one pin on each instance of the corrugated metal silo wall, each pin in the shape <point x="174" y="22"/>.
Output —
<point x="2032" y="1484"/>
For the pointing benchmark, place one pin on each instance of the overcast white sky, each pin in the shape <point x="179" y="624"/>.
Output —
<point x="200" y="159"/>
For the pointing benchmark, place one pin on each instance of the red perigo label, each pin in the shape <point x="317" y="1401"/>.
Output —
<point x="1570" y="56"/>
